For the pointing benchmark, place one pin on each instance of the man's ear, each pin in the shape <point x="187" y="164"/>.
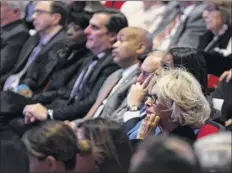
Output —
<point x="113" y="37"/>
<point x="57" y="18"/>
<point x="51" y="163"/>
<point x="141" y="49"/>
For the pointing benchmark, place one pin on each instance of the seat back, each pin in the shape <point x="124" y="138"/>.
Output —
<point x="211" y="127"/>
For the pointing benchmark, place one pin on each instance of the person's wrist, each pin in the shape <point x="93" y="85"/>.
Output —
<point x="132" y="108"/>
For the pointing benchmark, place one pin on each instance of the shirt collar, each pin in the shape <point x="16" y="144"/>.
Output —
<point x="46" y="38"/>
<point x="101" y="55"/>
<point x="128" y="71"/>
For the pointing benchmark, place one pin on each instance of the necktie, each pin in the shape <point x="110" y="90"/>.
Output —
<point x="12" y="81"/>
<point x="82" y="77"/>
<point x="103" y="95"/>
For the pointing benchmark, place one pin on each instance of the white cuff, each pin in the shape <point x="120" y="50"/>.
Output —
<point x="50" y="114"/>
<point x="130" y="115"/>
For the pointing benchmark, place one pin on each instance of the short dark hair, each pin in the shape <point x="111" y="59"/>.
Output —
<point x="53" y="138"/>
<point x="13" y="154"/>
<point x="61" y="8"/>
<point x="157" y="155"/>
<point x="117" y="20"/>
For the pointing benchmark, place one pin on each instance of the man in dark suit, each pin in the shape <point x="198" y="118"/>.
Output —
<point x="69" y="58"/>
<point x="132" y="42"/>
<point x="48" y="18"/>
<point x="13" y="33"/>
<point x="101" y="34"/>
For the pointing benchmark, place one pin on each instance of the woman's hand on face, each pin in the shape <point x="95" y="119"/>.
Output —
<point x="148" y="125"/>
<point x="138" y="92"/>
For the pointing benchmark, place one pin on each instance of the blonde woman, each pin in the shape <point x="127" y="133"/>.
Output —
<point x="175" y="105"/>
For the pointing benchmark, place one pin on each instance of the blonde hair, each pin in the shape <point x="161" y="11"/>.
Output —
<point x="181" y="93"/>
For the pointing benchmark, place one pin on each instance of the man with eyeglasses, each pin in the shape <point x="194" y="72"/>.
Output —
<point x="34" y="65"/>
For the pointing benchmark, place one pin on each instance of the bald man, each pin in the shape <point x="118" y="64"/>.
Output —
<point x="132" y="42"/>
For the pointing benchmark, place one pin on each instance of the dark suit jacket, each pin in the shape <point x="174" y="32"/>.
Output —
<point x="41" y="69"/>
<point x="222" y="41"/>
<point x="216" y="62"/>
<point x="61" y="82"/>
<point x="33" y="77"/>
<point x="89" y="91"/>
<point x="189" y="31"/>
<point x="13" y="36"/>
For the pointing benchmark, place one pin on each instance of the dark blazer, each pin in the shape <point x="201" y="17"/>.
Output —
<point x="32" y="78"/>
<point x="78" y="108"/>
<point x="13" y="36"/>
<point x="60" y="83"/>
<point x="221" y="42"/>
<point x="216" y="62"/>
<point x="42" y="68"/>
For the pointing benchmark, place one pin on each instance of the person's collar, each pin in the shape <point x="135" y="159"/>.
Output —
<point x="11" y="24"/>
<point x="101" y="55"/>
<point x="222" y="31"/>
<point x="129" y="70"/>
<point x="46" y="38"/>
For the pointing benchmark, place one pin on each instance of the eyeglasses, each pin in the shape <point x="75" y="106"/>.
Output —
<point x="153" y="98"/>
<point x="165" y="65"/>
<point x="41" y="12"/>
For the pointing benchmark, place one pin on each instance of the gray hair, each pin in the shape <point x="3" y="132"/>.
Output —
<point x="214" y="152"/>
<point x="21" y="5"/>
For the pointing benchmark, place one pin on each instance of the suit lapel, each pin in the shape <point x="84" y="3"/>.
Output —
<point x="26" y="51"/>
<point x="55" y="39"/>
<point x="104" y="92"/>
<point x="166" y="19"/>
<point x="131" y="79"/>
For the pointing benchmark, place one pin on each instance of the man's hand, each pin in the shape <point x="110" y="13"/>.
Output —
<point x="35" y="112"/>
<point x="149" y="123"/>
<point x="226" y="75"/>
<point x="25" y="92"/>
<point x="138" y="92"/>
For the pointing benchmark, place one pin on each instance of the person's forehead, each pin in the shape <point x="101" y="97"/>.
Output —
<point x="43" y="5"/>
<point x="128" y="33"/>
<point x="99" y="19"/>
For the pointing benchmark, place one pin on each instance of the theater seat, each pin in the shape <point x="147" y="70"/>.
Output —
<point x="210" y="127"/>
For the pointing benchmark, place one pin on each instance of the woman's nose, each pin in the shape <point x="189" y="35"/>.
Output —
<point x="148" y="102"/>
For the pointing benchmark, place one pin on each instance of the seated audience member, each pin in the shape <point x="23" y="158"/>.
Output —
<point x="216" y="42"/>
<point x="13" y="155"/>
<point x="182" y="25"/>
<point x="176" y="105"/>
<point x="33" y="68"/>
<point x="67" y="61"/>
<point x="164" y="154"/>
<point x="188" y="58"/>
<point x="214" y="152"/>
<point x="132" y="42"/>
<point x="101" y="35"/>
<point x="104" y="146"/>
<point x="144" y="14"/>
<point x="52" y="147"/>
<point x="14" y="33"/>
